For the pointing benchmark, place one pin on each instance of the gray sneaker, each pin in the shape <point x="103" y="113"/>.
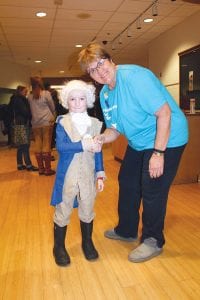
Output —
<point x="111" y="234"/>
<point x="145" y="251"/>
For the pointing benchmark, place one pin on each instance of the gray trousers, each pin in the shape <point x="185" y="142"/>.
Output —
<point x="79" y="181"/>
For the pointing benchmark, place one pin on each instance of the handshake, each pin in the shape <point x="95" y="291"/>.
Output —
<point x="93" y="144"/>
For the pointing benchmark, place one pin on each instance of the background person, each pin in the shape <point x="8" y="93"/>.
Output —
<point x="43" y="116"/>
<point x="59" y="110"/>
<point x="137" y="105"/>
<point x="20" y="114"/>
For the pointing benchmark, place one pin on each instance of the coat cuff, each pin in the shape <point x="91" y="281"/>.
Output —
<point x="101" y="174"/>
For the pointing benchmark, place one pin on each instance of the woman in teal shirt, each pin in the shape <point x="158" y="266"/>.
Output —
<point x="136" y="104"/>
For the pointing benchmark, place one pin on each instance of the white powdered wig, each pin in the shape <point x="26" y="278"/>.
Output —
<point x="80" y="85"/>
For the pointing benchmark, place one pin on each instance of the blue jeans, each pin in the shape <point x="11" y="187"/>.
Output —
<point x="136" y="184"/>
<point x="23" y="155"/>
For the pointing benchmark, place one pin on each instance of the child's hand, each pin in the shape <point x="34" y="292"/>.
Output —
<point x="99" y="139"/>
<point x="89" y="145"/>
<point x="100" y="184"/>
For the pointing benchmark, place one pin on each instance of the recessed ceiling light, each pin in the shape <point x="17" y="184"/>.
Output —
<point x="38" y="61"/>
<point x="62" y="71"/>
<point x="41" y="14"/>
<point x="79" y="46"/>
<point x="148" y="20"/>
<point x="83" y="16"/>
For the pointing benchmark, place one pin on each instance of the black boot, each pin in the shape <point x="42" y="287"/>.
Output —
<point x="60" y="253"/>
<point x="87" y="244"/>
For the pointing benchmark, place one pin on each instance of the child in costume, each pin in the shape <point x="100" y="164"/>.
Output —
<point x="78" y="170"/>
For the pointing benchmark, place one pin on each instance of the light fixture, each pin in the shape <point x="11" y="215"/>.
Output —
<point x="58" y="2"/>
<point x="120" y="40"/>
<point x="78" y="46"/>
<point x="41" y="14"/>
<point x="113" y="46"/>
<point x="154" y="10"/>
<point x="38" y="61"/>
<point x="84" y="16"/>
<point x="138" y="23"/>
<point x="129" y="34"/>
<point x="61" y="71"/>
<point x="148" y="20"/>
<point x="57" y="87"/>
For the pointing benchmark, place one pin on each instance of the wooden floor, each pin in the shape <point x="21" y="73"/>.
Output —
<point x="27" y="268"/>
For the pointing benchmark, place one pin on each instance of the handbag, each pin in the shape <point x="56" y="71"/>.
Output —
<point x="20" y="134"/>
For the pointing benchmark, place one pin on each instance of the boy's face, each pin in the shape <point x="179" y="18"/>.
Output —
<point x="77" y="102"/>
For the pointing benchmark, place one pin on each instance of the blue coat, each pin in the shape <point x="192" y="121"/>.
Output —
<point x="66" y="149"/>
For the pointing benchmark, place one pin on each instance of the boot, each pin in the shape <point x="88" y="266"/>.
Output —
<point x="87" y="244"/>
<point x="39" y="158"/>
<point x="60" y="253"/>
<point x="47" y="161"/>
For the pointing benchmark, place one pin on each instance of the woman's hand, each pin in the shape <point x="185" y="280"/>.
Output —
<point x="108" y="136"/>
<point x="99" y="140"/>
<point x="156" y="165"/>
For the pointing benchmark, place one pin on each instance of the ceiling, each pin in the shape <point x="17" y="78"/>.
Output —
<point x="25" y="38"/>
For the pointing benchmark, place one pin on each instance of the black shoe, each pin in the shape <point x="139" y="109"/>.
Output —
<point x="32" y="168"/>
<point x="20" y="168"/>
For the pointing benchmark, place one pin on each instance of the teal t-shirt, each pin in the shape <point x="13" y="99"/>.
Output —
<point x="130" y="108"/>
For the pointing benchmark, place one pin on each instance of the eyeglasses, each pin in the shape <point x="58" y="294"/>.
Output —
<point x="93" y="71"/>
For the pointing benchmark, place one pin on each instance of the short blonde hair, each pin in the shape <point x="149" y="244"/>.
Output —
<point x="92" y="52"/>
<point x="87" y="88"/>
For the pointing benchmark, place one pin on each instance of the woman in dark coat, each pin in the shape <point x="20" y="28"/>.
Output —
<point x="21" y="115"/>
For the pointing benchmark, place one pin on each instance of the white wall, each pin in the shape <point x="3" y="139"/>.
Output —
<point x="163" y="51"/>
<point x="12" y="75"/>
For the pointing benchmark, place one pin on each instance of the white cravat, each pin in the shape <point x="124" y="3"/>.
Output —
<point x="81" y="121"/>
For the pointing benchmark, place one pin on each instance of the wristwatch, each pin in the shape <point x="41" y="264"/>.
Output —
<point x="158" y="152"/>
